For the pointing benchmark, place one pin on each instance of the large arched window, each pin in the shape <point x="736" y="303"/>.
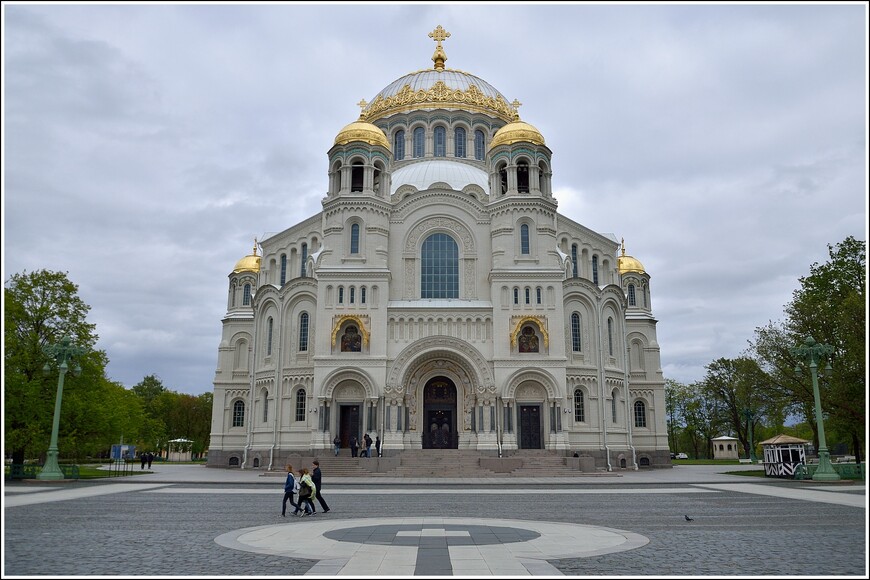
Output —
<point x="440" y="142"/>
<point x="246" y="297"/>
<point x="639" y="414"/>
<point x="502" y="178"/>
<point x="303" y="332"/>
<point x="459" y="142"/>
<point x="270" y="326"/>
<point x="632" y="300"/>
<point x="303" y="260"/>
<point x="595" y="270"/>
<point x="613" y="396"/>
<point x="579" y="411"/>
<point x="419" y="142"/>
<point x="239" y="414"/>
<point x="574" y="271"/>
<point x="576" y="345"/>
<point x="300" y="405"/>
<point x="354" y="239"/>
<point x="479" y="145"/>
<point x="283" y="268"/>
<point x="439" y="267"/>
<point x="357" y="171"/>
<point x="523" y="177"/>
<point x="399" y="145"/>
<point x="265" y="397"/>
<point x="524" y="239"/>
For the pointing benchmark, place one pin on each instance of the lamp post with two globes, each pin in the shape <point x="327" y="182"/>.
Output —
<point x="62" y="352"/>
<point x="813" y="353"/>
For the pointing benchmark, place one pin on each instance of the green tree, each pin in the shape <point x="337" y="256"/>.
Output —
<point x="40" y="308"/>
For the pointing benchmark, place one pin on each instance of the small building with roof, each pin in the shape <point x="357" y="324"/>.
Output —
<point x="783" y="454"/>
<point x="725" y="447"/>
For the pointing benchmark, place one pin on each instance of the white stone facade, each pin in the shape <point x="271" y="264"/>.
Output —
<point x="486" y="320"/>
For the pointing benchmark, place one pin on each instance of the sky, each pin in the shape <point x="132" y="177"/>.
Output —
<point x="145" y="146"/>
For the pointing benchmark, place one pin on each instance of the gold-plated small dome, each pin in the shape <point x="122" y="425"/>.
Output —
<point x="250" y="263"/>
<point x="515" y="132"/>
<point x="361" y="130"/>
<point x="628" y="264"/>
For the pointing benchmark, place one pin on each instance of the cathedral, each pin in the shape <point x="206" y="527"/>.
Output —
<point x="439" y="301"/>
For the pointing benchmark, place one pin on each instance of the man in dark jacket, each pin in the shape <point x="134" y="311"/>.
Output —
<point x="353" y="446"/>
<point x="315" y="477"/>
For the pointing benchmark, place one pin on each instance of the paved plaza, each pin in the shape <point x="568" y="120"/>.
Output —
<point x="189" y="520"/>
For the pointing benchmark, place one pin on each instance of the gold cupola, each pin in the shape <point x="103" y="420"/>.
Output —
<point x="628" y="264"/>
<point x="362" y="130"/>
<point x="250" y="263"/>
<point x="516" y="131"/>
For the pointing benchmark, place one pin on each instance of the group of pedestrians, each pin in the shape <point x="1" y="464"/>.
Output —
<point x="146" y="459"/>
<point x="307" y="487"/>
<point x="364" y="450"/>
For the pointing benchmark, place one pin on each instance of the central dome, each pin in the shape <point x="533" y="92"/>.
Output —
<point x="439" y="88"/>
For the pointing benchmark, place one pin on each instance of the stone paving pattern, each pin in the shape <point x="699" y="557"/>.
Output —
<point x="173" y="534"/>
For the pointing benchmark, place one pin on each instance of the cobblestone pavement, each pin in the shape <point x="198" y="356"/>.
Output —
<point x="170" y="529"/>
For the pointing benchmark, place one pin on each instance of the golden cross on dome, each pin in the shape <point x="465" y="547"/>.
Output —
<point x="516" y="105"/>
<point x="362" y="104"/>
<point x="439" y="57"/>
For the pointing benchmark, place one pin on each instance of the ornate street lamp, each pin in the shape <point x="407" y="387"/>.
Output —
<point x="750" y="415"/>
<point x="813" y="353"/>
<point x="61" y="352"/>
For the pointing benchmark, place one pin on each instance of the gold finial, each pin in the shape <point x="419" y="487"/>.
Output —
<point x="255" y="246"/>
<point x="439" y="57"/>
<point x="516" y="105"/>
<point x="623" y="246"/>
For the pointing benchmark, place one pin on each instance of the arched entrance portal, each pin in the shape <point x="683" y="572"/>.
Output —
<point x="439" y="415"/>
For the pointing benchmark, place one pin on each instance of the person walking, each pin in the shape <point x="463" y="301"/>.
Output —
<point x="289" y="490"/>
<point x="369" y="442"/>
<point x="144" y="457"/>
<point x="377" y="445"/>
<point x="337" y="443"/>
<point x="306" y="492"/>
<point x="150" y="459"/>
<point x="353" y="445"/>
<point x="316" y="478"/>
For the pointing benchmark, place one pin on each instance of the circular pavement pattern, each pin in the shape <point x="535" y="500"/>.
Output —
<point x="430" y="545"/>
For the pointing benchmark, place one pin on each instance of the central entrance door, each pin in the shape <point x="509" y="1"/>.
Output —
<point x="530" y="427"/>
<point x="439" y="415"/>
<point x="348" y="424"/>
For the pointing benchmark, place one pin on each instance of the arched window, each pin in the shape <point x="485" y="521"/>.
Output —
<point x="304" y="259"/>
<point x="419" y="142"/>
<point x="523" y="177"/>
<point x="576" y="345"/>
<point x="341" y="294"/>
<point x="631" y="298"/>
<point x="283" y="268"/>
<point x="574" y="271"/>
<point x="610" y="336"/>
<point x="459" y="142"/>
<point x="440" y="267"/>
<point x="270" y="327"/>
<point x="579" y="411"/>
<point x="440" y="142"/>
<point x="265" y="396"/>
<point x="528" y="295"/>
<point x="613" y="396"/>
<point x="502" y="178"/>
<point x="595" y="270"/>
<point x="538" y="295"/>
<point x="246" y="297"/>
<point x="362" y="295"/>
<point x="516" y="295"/>
<point x="356" y="176"/>
<point x="639" y="414"/>
<point x="300" y="405"/>
<point x="524" y="239"/>
<point x="479" y="140"/>
<point x="239" y="414"/>
<point x="303" y="332"/>
<point x="399" y="145"/>
<point x="354" y="239"/>
<point x="352" y="294"/>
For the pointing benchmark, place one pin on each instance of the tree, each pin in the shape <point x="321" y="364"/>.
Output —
<point x="40" y="308"/>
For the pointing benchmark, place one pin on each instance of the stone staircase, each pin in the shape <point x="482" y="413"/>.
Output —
<point x="440" y="463"/>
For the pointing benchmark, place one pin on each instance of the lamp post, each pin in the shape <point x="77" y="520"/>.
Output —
<point x="750" y="415"/>
<point x="814" y="352"/>
<point x="61" y="352"/>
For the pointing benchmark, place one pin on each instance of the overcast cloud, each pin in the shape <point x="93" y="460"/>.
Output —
<point x="145" y="146"/>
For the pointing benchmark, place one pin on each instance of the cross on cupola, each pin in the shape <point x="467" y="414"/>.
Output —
<point x="440" y="56"/>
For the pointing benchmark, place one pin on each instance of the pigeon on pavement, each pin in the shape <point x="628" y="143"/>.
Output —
<point x="688" y="519"/>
